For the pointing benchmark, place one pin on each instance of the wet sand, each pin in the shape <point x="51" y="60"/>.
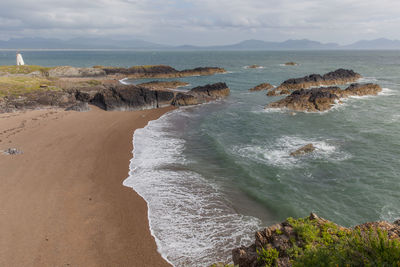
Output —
<point x="62" y="202"/>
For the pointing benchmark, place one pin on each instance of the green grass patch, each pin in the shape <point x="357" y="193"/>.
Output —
<point x="16" y="86"/>
<point x="26" y="69"/>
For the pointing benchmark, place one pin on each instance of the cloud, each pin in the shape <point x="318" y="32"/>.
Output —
<point x="202" y="21"/>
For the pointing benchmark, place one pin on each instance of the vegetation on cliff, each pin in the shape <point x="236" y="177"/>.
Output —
<point x="314" y="241"/>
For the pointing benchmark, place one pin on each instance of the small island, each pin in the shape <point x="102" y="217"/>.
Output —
<point x="337" y="77"/>
<point x="291" y="63"/>
<point x="261" y="87"/>
<point x="323" y="98"/>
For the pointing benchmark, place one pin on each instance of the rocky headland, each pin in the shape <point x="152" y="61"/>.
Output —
<point x="159" y="71"/>
<point x="323" y="98"/>
<point x="261" y="87"/>
<point x="337" y="77"/>
<point x="71" y="88"/>
<point x="314" y="241"/>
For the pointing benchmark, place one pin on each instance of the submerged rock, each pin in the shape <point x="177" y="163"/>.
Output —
<point x="254" y="67"/>
<point x="303" y="150"/>
<point x="261" y="87"/>
<point x="291" y="63"/>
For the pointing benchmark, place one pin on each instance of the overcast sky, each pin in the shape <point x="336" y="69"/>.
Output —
<point x="202" y="22"/>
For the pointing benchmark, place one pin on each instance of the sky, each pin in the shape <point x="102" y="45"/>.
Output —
<point x="202" y="22"/>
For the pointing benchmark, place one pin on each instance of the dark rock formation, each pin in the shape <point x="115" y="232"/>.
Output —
<point x="285" y="238"/>
<point x="323" y="98"/>
<point x="254" y="67"/>
<point x="182" y="99"/>
<point x="291" y="63"/>
<point x="303" y="150"/>
<point x="112" y="97"/>
<point x="131" y="97"/>
<point x="337" y="77"/>
<point x="261" y="87"/>
<point x="215" y="90"/>
<point x="37" y="99"/>
<point x="160" y="71"/>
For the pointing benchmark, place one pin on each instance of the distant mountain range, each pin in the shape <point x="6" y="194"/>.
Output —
<point x="134" y="44"/>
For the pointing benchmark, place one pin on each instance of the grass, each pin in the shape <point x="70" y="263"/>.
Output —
<point x="319" y="243"/>
<point x="15" y="86"/>
<point x="26" y="69"/>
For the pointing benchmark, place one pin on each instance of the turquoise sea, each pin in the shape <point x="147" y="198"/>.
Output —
<point x="215" y="173"/>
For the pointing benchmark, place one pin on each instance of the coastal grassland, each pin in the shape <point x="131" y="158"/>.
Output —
<point x="15" y="86"/>
<point x="319" y="243"/>
<point x="26" y="69"/>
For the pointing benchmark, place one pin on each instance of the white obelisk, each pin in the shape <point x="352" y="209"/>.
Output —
<point x="20" y="60"/>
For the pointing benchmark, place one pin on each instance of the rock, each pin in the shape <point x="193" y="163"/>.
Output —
<point x="67" y="71"/>
<point x="216" y="90"/>
<point x="323" y="98"/>
<point x="254" y="67"/>
<point x="163" y="84"/>
<point x="337" y="77"/>
<point x="291" y="63"/>
<point x="182" y="99"/>
<point x="303" y="150"/>
<point x="38" y="99"/>
<point x="261" y="87"/>
<point x="160" y="71"/>
<point x="312" y="100"/>
<point x="131" y="97"/>
<point x="79" y="106"/>
<point x="356" y="89"/>
<point x="12" y="151"/>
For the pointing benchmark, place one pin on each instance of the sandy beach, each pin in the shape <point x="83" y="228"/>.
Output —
<point x="62" y="202"/>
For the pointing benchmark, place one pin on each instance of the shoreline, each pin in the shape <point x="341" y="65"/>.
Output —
<point x="63" y="202"/>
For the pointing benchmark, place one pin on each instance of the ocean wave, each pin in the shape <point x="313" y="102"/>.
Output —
<point x="191" y="221"/>
<point x="367" y="80"/>
<point x="277" y="153"/>
<point x="387" y="92"/>
<point x="124" y="81"/>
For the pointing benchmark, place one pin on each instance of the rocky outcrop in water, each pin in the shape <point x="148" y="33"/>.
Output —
<point x="303" y="240"/>
<point x="163" y="84"/>
<point x="291" y="63"/>
<point x="160" y="71"/>
<point x="303" y="150"/>
<point x="337" y="77"/>
<point x="261" y="87"/>
<point x="323" y="98"/>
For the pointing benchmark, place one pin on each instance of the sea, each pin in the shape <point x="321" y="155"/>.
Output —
<point x="214" y="174"/>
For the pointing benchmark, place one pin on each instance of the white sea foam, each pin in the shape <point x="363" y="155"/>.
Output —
<point x="258" y="67"/>
<point x="191" y="221"/>
<point x="124" y="81"/>
<point x="367" y="80"/>
<point x="277" y="153"/>
<point x="387" y="92"/>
